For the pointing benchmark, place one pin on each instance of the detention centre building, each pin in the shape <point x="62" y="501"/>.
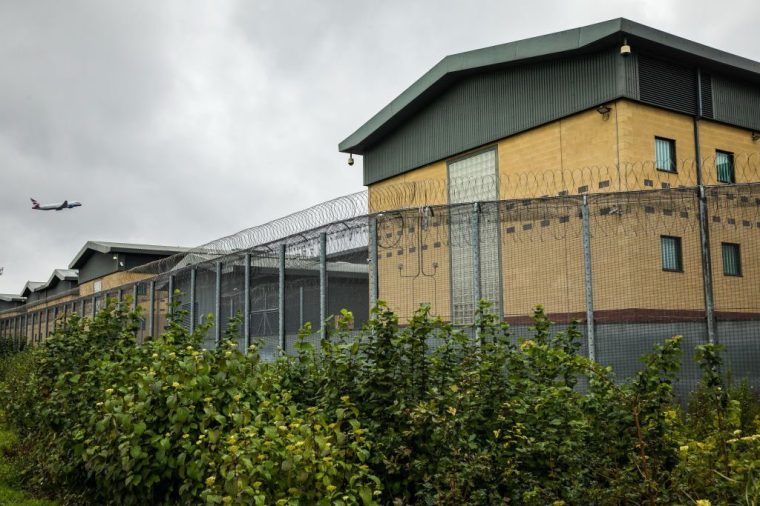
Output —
<point x="609" y="172"/>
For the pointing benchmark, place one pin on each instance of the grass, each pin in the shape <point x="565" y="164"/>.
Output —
<point x="11" y="492"/>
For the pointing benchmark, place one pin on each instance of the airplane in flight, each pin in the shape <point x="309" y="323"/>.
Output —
<point x="54" y="207"/>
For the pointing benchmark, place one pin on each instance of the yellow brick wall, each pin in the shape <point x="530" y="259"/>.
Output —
<point x="425" y="186"/>
<point x="715" y="136"/>
<point x="111" y="281"/>
<point x="604" y="156"/>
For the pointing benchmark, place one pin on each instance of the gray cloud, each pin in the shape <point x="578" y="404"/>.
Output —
<point x="178" y="122"/>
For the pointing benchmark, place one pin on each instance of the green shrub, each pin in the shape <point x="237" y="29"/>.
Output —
<point x="420" y="413"/>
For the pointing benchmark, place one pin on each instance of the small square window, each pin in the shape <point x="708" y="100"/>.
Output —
<point x="665" y="154"/>
<point x="732" y="261"/>
<point x="724" y="163"/>
<point x="672" y="259"/>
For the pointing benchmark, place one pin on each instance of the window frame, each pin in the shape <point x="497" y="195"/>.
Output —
<point x="730" y="156"/>
<point x="738" y="250"/>
<point x="674" y="165"/>
<point x="679" y="253"/>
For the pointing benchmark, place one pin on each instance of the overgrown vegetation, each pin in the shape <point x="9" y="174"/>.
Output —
<point x="383" y="417"/>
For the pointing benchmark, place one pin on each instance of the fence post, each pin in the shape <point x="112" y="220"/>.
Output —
<point x="170" y="301"/>
<point x="475" y="225"/>
<point x="247" y="302"/>
<point x="193" y="316"/>
<point x="374" y="287"/>
<point x="281" y="299"/>
<point x="589" y="283"/>
<point x="322" y="284"/>
<point x="218" y="304"/>
<point x="707" y="281"/>
<point x="152" y="310"/>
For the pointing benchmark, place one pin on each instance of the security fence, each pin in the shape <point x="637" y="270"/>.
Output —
<point x="634" y="262"/>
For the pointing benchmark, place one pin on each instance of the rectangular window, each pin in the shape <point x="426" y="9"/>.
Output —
<point x="732" y="262"/>
<point x="724" y="162"/>
<point x="665" y="154"/>
<point x="672" y="260"/>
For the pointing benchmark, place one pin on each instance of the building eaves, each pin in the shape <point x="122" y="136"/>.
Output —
<point x="7" y="297"/>
<point x="121" y="247"/>
<point x="31" y="286"/>
<point x="573" y="41"/>
<point x="58" y="275"/>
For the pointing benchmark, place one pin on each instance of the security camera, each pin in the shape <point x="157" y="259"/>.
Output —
<point x="625" y="49"/>
<point x="350" y="159"/>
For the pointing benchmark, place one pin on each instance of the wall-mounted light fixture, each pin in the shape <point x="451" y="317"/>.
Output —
<point x="604" y="110"/>
<point x="350" y="159"/>
<point x="625" y="49"/>
<point x="755" y="136"/>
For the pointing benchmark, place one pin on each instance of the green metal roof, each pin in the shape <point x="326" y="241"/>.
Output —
<point x="120" y="247"/>
<point x="574" y="41"/>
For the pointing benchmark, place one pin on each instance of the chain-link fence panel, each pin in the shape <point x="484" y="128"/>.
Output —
<point x="232" y="301"/>
<point x="733" y="215"/>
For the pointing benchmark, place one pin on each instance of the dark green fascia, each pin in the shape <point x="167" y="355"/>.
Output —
<point x="574" y="41"/>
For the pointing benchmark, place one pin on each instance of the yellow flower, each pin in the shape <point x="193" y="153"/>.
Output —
<point x="684" y="448"/>
<point x="452" y="410"/>
<point x="210" y="481"/>
<point x="703" y="502"/>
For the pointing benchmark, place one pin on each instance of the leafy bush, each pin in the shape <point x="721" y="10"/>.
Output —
<point x="420" y="413"/>
<point x="168" y="423"/>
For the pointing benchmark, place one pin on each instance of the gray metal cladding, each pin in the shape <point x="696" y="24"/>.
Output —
<point x="491" y="105"/>
<point x="707" y="96"/>
<point x="736" y="102"/>
<point x="667" y="85"/>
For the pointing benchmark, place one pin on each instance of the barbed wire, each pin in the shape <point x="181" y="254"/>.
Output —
<point x="534" y="205"/>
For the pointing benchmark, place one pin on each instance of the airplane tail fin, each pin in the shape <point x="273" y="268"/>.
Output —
<point x="35" y="204"/>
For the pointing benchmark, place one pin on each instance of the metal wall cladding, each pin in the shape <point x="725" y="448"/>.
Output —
<point x="667" y="85"/>
<point x="736" y="102"/>
<point x="707" y="96"/>
<point x="485" y="107"/>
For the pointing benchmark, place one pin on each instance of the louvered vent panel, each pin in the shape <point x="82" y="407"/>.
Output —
<point x="707" y="97"/>
<point x="667" y="85"/>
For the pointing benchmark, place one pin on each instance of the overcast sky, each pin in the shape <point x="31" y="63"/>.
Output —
<point x="177" y="122"/>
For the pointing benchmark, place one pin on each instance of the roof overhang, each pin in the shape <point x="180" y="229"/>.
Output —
<point x="58" y="276"/>
<point x="5" y="297"/>
<point x="31" y="286"/>
<point x="575" y="41"/>
<point x="92" y="247"/>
